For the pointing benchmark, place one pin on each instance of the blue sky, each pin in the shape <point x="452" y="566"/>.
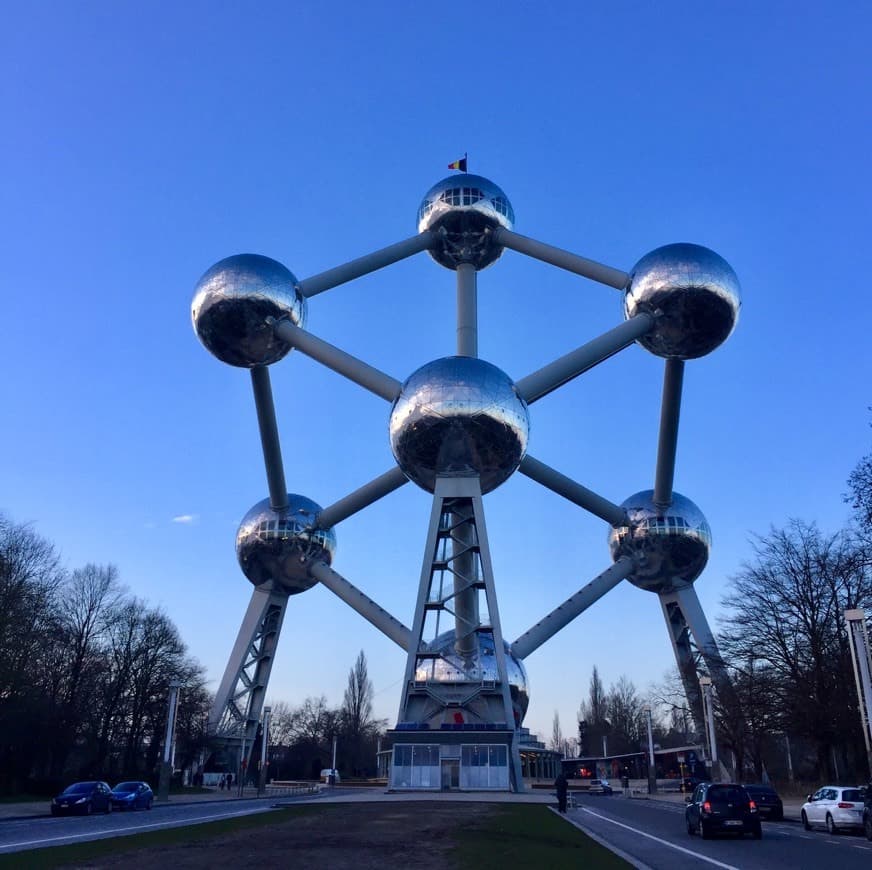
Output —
<point x="144" y="142"/>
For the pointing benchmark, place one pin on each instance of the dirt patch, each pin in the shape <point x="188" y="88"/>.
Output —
<point x="358" y="836"/>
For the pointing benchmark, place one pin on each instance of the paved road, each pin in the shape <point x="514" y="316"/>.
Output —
<point x="653" y="834"/>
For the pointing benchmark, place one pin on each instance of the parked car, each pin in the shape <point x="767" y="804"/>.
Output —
<point x="835" y="806"/>
<point x="722" y="808"/>
<point x="132" y="794"/>
<point x="84" y="798"/>
<point x="769" y="804"/>
<point x="599" y="786"/>
<point x="867" y="811"/>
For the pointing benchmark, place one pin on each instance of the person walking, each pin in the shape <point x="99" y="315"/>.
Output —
<point x="561" y="785"/>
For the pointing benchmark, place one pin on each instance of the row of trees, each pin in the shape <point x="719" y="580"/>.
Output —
<point x="85" y="670"/>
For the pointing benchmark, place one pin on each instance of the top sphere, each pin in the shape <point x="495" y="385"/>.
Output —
<point x="232" y="302"/>
<point x="459" y="416"/>
<point x="671" y="546"/>
<point x="464" y="210"/>
<point x="694" y="291"/>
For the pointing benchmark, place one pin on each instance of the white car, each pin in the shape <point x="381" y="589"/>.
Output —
<point x="835" y="807"/>
<point x="327" y="773"/>
<point x="599" y="786"/>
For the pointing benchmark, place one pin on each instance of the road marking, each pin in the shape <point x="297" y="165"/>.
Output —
<point x="112" y="832"/>
<point x="662" y="841"/>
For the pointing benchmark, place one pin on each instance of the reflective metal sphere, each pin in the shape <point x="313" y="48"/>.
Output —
<point x="232" y="302"/>
<point x="697" y="294"/>
<point x="671" y="546"/>
<point x="278" y="548"/>
<point x="452" y="668"/>
<point x="464" y="210"/>
<point x="459" y="416"/>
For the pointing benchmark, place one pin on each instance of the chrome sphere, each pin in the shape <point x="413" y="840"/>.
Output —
<point x="278" y="547"/>
<point x="694" y="291"/>
<point x="459" y="416"/>
<point x="464" y="210"/>
<point x="450" y="667"/>
<point x="232" y="302"/>
<point x="671" y="546"/>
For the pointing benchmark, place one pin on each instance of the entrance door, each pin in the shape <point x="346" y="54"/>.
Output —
<point x="450" y="773"/>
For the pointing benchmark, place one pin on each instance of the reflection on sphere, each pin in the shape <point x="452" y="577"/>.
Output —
<point x="232" y="302"/>
<point x="695" y="294"/>
<point x="459" y="416"/>
<point x="671" y="546"/>
<point x="279" y="547"/>
<point x="449" y="667"/>
<point x="463" y="210"/>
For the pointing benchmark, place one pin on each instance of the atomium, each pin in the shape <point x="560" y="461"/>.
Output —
<point x="669" y="545"/>
<point x="464" y="210"/>
<point x="278" y="547"/>
<point x="459" y="416"/>
<point x="695" y="295"/>
<point x="232" y="302"/>
<point x="459" y="428"/>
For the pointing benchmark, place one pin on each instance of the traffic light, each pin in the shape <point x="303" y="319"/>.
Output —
<point x="582" y="737"/>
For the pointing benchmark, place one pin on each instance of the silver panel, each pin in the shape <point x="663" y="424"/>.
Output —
<point x="462" y="211"/>
<point x="278" y="547"/>
<point x="694" y="291"/>
<point x="459" y="416"/>
<point x="232" y="302"/>
<point x="669" y="545"/>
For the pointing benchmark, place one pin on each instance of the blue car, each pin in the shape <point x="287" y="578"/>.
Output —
<point x="84" y="798"/>
<point x="131" y="795"/>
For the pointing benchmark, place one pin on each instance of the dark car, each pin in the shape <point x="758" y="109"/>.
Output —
<point x="133" y="794"/>
<point x="768" y="802"/>
<point x="722" y="808"/>
<point x="84" y="798"/>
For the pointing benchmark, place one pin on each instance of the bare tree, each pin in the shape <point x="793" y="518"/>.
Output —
<point x="785" y="624"/>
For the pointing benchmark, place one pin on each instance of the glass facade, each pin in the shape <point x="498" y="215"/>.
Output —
<point x="419" y="766"/>
<point x="484" y="766"/>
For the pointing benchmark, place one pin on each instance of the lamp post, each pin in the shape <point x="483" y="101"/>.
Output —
<point x="264" y="748"/>
<point x="705" y="684"/>
<point x="166" y="768"/>
<point x="652" y="772"/>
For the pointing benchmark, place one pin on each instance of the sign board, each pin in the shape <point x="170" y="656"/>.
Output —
<point x="681" y="759"/>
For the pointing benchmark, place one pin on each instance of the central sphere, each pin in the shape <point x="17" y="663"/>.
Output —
<point x="449" y="667"/>
<point x="459" y="416"/>
<point x="464" y="210"/>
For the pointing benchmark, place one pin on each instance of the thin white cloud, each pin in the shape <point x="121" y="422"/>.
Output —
<point x="186" y="519"/>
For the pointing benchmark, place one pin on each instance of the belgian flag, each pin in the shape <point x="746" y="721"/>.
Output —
<point x="459" y="164"/>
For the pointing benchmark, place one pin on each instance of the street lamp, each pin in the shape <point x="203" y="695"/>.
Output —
<point x="166" y="770"/>
<point x="652" y="773"/>
<point x="708" y="713"/>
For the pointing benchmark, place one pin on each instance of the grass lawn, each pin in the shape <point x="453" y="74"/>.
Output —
<point x="499" y="835"/>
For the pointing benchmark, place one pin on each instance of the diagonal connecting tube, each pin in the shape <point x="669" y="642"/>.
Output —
<point x="366" y="264"/>
<point x="338" y="360"/>
<point x="601" y="507"/>
<point x="361" y="498"/>
<point x="366" y="607"/>
<point x="562" y="259"/>
<point x="667" y="445"/>
<point x="580" y="360"/>
<point x="546" y="628"/>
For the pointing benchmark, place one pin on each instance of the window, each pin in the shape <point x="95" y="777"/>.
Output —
<point x="484" y="766"/>
<point x="415" y="766"/>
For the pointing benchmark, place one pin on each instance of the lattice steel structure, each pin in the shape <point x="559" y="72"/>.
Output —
<point x="458" y="428"/>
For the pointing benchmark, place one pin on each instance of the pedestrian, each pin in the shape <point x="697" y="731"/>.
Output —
<point x="221" y="782"/>
<point x="561" y="784"/>
<point x="229" y="781"/>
